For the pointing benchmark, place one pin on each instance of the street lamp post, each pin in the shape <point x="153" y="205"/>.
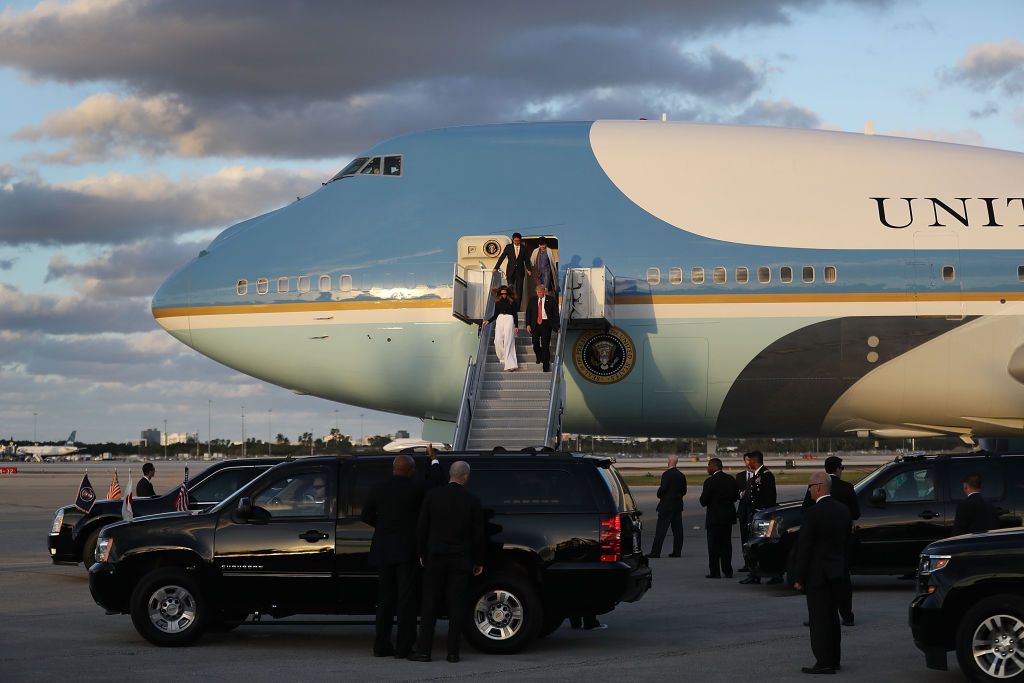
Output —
<point x="209" y="426"/>
<point x="269" y="412"/>
<point x="165" y="439"/>
<point x="362" y="430"/>
<point x="243" y="431"/>
<point x="35" y="423"/>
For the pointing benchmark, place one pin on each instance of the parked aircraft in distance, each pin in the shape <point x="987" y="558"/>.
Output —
<point x="38" y="453"/>
<point x="761" y="281"/>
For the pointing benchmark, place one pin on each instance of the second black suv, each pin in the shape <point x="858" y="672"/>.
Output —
<point x="970" y="598"/>
<point x="904" y="506"/>
<point x="73" y="533"/>
<point x="563" y="540"/>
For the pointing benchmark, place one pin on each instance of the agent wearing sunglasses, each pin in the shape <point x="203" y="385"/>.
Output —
<point x="506" y="313"/>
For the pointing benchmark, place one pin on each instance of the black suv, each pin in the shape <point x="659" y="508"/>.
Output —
<point x="970" y="598"/>
<point x="563" y="539"/>
<point x="904" y="506"/>
<point x="73" y="533"/>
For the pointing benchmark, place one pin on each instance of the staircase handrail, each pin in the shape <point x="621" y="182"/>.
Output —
<point x="474" y="371"/>
<point x="557" y="401"/>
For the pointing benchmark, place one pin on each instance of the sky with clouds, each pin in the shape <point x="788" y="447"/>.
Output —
<point x="133" y="131"/>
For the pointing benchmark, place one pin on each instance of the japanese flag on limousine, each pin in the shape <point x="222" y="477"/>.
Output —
<point x="181" y="502"/>
<point x="127" y="511"/>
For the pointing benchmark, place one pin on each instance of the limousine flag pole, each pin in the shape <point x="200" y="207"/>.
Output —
<point x="127" y="511"/>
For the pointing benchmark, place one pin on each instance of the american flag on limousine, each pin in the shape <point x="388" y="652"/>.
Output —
<point x="181" y="502"/>
<point x="114" y="492"/>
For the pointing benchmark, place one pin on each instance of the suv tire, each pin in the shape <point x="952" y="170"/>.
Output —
<point x="505" y="614"/>
<point x="89" y="548"/>
<point x="995" y="621"/>
<point x="168" y="607"/>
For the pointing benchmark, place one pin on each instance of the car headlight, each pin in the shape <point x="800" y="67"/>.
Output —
<point x="58" y="520"/>
<point x="762" y="528"/>
<point x="104" y="547"/>
<point x="932" y="563"/>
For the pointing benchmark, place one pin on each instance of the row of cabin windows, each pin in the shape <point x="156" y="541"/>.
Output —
<point x="303" y="284"/>
<point x="720" y="275"/>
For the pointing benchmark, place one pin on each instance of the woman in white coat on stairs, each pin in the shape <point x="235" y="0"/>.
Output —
<point x="506" y="313"/>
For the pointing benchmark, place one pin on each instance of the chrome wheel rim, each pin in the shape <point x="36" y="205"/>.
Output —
<point x="498" y="615"/>
<point x="998" y="646"/>
<point x="172" y="609"/>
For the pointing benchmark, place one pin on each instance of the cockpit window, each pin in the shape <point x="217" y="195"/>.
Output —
<point x="351" y="169"/>
<point x="393" y="165"/>
<point x="372" y="167"/>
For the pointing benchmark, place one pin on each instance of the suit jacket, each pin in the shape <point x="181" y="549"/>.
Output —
<point x="451" y="523"/>
<point x="974" y="515"/>
<point x="841" y="491"/>
<point x="671" y="491"/>
<point x="392" y="509"/>
<point x="515" y="265"/>
<point x="824" y="538"/>
<point x="550" y="305"/>
<point x="144" y="489"/>
<point x="762" y="489"/>
<point x="718" y="496"/>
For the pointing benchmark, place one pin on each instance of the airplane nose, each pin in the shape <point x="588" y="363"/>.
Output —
<point x="170" y="305"/>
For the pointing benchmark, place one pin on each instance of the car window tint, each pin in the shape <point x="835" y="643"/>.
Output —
<point x="910" y="485"/>
<point x="364" y="477"/>
<point x="222" y="484"/>
<point x="305" y="494"/>
<point x="528" y="490"/>
<point x="991" y="474"/>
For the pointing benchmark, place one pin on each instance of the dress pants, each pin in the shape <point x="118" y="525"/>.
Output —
<point x="823" y="610"/>
<point x="445" y="582"/>
<point x="666" y="519"/>
<point x="515" y="283"/>
<point x="396" y="588"/>
<point x="541" y="340"/>
<point x="720" y="549"/>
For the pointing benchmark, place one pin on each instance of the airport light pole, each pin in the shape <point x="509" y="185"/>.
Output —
<point x="165" y="439"/>
<point x="362" y="429"/>
<point x="35" y="424"/>
<point x="243" y="431"/>
<point x="209" y="424"/>
<point x="269" y="412"/>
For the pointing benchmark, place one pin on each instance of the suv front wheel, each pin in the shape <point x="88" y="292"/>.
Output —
<point x="505" y="614"/>
<point x="169" y="608"/>
<point x="990" y="640"/>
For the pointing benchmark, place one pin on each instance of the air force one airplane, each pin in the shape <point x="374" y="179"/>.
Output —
<point x="748" y="281"/>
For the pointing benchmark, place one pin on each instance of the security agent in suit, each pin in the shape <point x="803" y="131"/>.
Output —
<point x="719" y="495"/>
<point x="541" y="321"/>
<point x="820" y="569"/>
<point x="670" y="509"/>
<point x="743" y="507"/>
<point x="844" y="493"/>
<point x="974" y="514"/>
<point x="450" y="540"/>
<point x="392" y="509"/>
<point x="518" y="265"/>
<point x="144" y="489"/>
<point x="761" y="494"/>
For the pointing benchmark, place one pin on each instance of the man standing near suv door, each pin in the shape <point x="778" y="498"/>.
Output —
<point x="974" y="514"/>
<point x="450" y="538"/>
<point x="719" y="496"/>
<point x="670" y="509"/>
<point x="843" y="492"/>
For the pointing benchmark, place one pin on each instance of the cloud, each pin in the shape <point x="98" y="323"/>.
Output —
<point x="990" y="109"/>
<point x="7" y="263"/>
<point x="118" y="208"/>
<point x="778" y="113"/>
<point x="992" y="66"/>
<point x="22" y="311"/>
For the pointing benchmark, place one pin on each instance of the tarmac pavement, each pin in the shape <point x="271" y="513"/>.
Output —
<point x="687" y="626"/>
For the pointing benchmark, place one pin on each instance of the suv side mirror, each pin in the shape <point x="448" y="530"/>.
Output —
<point x="878" y="497"/>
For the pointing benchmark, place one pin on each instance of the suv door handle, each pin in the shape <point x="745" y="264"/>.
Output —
<point x="313" y="536"/>
<point x="928" y="514"/>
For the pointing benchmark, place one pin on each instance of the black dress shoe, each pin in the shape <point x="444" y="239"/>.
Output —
<point x="675" y="554"/>
<point x="729" y="575"/>
<point x="712" y="576"/>
<point x="848" y="622"/>
<point x="655" y="556"/>
<point x="454" y="659"/>
<point x="807" y="624"/>
<point x="774" y="580"/>
<point x="401" y="655"/>
<point x="383" y="653"/>
<point x="744" y="569"/>
<point x="750" y="580"/>
<point x="417" y="657"/>
<point x="547" y="368"/>
<point x="818" y="669"/>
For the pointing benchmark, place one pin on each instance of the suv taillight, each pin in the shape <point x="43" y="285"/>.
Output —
<point x="611" y="539"/>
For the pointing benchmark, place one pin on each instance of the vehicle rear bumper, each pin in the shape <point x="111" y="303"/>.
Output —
<point x="107" y="590"/>
<point x="62" y="547"/>
<point x="595" y="587"/>
<point x="928" y="628"/>
<point x="767" y="555"/>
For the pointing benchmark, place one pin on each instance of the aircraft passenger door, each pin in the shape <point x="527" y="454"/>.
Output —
<point x="477" y="255"/>
<point x="934" y="274"/>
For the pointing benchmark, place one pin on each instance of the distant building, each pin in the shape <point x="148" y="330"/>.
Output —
<point x="402" y="434"/>
<point x="180" y="437"/>
<point x="150" y="437"/>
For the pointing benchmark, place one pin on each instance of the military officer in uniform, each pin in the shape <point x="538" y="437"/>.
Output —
<point x="761" y="495"/>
